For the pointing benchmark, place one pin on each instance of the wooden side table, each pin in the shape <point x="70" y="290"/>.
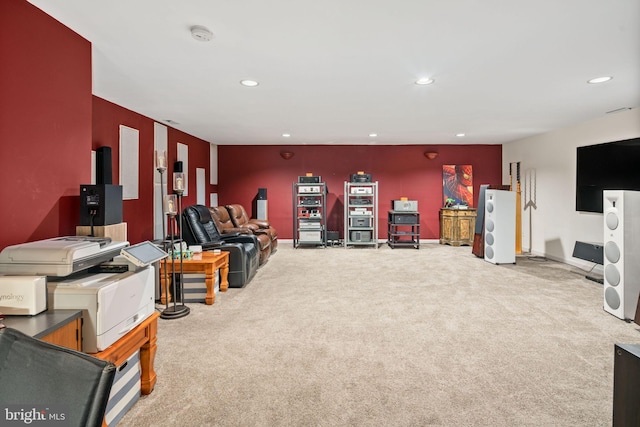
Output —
<point x="457" y="226"/>
<point x="143" y="338"/>
<point x="205" y="262"/>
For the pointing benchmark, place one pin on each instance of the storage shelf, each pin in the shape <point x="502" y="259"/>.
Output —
<point x="403" y="229"/>
<point x="364" y="212"/>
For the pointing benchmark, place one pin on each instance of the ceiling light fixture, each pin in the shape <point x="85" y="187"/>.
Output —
<point x="424" y="81"/>
<point x="373" y="135"/>
<point x="200" y="33"/>
<point x="599" y="80"/>
<point x="285" y="154"/>
<point x="249" y="83"/>
<point x="459" y="135"/>
<point x="286" y="135"/>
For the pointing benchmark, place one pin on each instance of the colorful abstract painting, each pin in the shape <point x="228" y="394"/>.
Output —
<point x="457" y="185"/>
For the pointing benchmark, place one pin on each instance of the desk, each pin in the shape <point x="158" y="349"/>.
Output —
<point x="60" y="327"/>
<point x="205" y="262"/>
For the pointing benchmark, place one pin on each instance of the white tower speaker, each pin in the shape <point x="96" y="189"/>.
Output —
<point x="500" y="227"/>
<point x="621" y="210"/>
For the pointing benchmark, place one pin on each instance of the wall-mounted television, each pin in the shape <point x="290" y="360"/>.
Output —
<point x="610" y="166"/>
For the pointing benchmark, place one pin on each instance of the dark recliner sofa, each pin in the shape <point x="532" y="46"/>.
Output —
<point x="198" y="228"/>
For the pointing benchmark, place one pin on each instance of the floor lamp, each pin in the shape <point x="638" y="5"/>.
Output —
<point x="161" y="167"/>
<point x="175" y="310"/>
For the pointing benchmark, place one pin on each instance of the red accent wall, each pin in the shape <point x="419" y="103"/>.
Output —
<point x="401" y="171"/>
<point x="45" y="124"/>
<point x="138" y="213"/>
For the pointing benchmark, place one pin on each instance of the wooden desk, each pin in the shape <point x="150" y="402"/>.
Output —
<point x="143" y="338"/>
<point x="205" y="262"/>
<point x="60" y="327"/>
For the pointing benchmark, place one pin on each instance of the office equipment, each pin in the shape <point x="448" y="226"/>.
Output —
<point x="112" y="303"/>
<point x="25" y="295"/>
<point x="59" y="256"/>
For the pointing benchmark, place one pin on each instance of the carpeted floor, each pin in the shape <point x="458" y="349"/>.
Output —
<point x="391" y="337"/>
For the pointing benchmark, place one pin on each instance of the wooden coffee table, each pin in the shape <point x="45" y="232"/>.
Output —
<point x="205" y="262"/>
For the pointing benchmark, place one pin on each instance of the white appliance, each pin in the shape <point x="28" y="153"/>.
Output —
<point x="500" y="227"/>
<point x="59" y="256"/>
<point x="112" y="304"/>
<point x="621" y="210"/>
<point x="25" y="295"/>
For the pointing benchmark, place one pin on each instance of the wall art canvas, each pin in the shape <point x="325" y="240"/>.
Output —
<point x="457" y="185"/>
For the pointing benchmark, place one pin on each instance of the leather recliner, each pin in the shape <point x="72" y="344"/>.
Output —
<point x="198" y="228"/>
<point x="240" y="218"/>
<point x="221" y="217"/>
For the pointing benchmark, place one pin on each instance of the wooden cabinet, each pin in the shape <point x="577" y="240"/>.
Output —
<point x="457" y="226"/>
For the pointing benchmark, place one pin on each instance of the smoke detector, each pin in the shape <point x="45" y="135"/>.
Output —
<point x="201" y="33"/>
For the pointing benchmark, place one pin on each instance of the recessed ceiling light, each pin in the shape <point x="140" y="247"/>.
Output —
<point x="600" y="79"/>
<point x="249" y="83"/>
<point x="459" y="135"/>
<point x="373" y="135"/>
<point x="424" y="81"/>
<point x="200" y="33"/>
<point x="286" y="135"/>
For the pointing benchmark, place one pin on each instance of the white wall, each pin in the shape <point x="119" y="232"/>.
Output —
<point x="551" y="159"/>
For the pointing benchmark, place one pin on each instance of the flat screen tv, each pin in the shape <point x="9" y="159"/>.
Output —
<point x="610" y="166"/>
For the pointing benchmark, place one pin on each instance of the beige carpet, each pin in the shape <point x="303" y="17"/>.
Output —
<point x="391" y="337"/>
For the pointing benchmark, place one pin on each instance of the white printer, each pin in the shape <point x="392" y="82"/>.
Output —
<point x="112" y="303"/>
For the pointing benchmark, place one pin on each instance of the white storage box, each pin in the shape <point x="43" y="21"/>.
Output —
<point x="125" y="391"/>
<point x="25" y="295"/>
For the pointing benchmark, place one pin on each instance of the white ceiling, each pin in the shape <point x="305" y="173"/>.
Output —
<point x="334" y="71"/>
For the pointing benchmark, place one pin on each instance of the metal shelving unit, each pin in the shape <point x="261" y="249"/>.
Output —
<point x="309" y="214"/>
<point x="361" y="214"/>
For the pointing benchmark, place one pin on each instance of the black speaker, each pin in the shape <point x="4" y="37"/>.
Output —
<point x="626" y="385"/>
<point x="177" y="166"/>
<point x="262" y="194"/>
<point x="100" y="204"/>
<point x="103" y="166"/>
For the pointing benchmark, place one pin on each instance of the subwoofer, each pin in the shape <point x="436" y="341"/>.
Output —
<point x="621" y="210"/>
<point x="500" y="227"/>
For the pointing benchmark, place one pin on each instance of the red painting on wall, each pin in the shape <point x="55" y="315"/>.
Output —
<point x="457" y="185"/>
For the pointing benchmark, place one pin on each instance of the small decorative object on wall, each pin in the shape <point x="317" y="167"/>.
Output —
<point x="457" y="185"/>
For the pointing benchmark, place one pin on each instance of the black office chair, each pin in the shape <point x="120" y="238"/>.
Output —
<point x="43" y="380"/>
<point x="198" y="228"/>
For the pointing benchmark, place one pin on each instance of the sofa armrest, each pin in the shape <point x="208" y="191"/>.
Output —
<point x="262" y="223"/>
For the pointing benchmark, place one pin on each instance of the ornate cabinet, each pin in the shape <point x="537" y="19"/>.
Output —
<point x="457" y="226"/>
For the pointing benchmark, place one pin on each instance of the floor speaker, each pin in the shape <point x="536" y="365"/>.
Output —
<point x="100" y="204"/>
<point x="621" y="210"/>
<point x="500" y="226"/>
<point x="626" y="385"/>
<point x="103" y="166"/>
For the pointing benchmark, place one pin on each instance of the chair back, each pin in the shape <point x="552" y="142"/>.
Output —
<point x="238" y="215"/>
<point x="198" y="227"/>
<point x="39" y="379"/>
<point x="221" y="217"/>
